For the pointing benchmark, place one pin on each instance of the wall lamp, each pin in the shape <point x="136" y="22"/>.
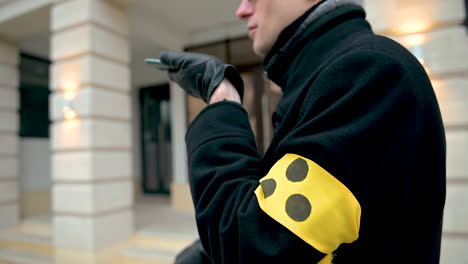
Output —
<point x="414" y="44"/>
<point x="69" y="111"/>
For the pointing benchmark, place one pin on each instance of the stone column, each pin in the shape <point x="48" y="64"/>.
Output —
<point x="91" y="130"/>
<point x="450" y="79"/>
<point x="9" y="104"/>
<point x="432" y="30"/>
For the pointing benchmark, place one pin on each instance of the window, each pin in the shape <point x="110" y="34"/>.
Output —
<point x="466" y="14"/>
<point x="34" y="96"/>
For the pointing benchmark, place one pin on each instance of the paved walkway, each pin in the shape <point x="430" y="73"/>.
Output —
<point x="161" y="233"/>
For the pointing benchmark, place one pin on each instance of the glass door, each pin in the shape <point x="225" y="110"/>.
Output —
<point x="156" y="139"/>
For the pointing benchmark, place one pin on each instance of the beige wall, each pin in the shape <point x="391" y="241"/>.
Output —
<point x="431" y="29"/>
<point x="9" y="103"/>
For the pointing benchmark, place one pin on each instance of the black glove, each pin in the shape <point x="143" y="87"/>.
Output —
<point x="199" y="75"/>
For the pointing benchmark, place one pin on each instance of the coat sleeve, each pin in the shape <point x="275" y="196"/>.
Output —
<point x="237" y="199"/>
<point x="225" y="169"/>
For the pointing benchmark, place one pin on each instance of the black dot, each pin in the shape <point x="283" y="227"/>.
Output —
<point x="269" y="187"/>
<point x="297" y="171"/>
<point x="298" y="207"/>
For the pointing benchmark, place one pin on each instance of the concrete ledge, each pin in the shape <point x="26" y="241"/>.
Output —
<point x="181" y="197"/>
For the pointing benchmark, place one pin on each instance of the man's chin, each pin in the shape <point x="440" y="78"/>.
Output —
<point x="260" y="54"/>
<point x="259" y="50"/>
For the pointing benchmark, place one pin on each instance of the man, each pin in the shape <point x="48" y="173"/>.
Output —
<point x="355" y="172"/>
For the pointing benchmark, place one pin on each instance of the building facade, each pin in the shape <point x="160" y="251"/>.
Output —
<point x="96" y="157"/>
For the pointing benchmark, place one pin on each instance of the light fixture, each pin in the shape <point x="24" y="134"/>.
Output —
<point x="414" y="40"/>
<point x="414" y="26"/>
<point x="69" y="111"/>
<point x="417" y="51"/>
<point x="415" y="44"/>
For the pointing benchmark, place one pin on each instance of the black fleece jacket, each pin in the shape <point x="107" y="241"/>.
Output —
<point x="357" y="104"/>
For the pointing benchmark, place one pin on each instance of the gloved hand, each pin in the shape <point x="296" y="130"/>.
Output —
<point x="199" y="75"/>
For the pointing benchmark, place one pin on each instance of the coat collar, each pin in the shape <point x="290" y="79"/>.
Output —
<point x="309" y="27"/>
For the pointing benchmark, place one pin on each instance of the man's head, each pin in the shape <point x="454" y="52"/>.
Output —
<point x="267" y="18"/>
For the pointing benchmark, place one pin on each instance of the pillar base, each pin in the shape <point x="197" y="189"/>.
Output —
<point x="92" y="233"/>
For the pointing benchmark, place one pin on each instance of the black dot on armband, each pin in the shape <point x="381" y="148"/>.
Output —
<point x="297" y="170"/>
<point x="269" y="187"/>
<point x="298" y="207"/>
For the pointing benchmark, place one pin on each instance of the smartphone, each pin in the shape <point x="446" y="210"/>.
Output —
<point x="158" y="64"/>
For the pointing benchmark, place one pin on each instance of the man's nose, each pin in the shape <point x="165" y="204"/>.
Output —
<point x="245" y="9"/>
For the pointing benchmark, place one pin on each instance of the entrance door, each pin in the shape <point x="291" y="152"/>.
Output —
<point x="156" y="139"/>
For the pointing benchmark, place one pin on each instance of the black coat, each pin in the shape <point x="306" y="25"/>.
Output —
<point x="357" y="104"/>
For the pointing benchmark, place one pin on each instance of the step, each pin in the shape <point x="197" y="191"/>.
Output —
<point x="41" y="225"/>
<point x="155" y="246"/>
<point x="29" y="242"/>
<point x="45" y="220"/>
<point x="147" y="255"/>
<point x="18" y="256"/>
<point x="160" y="238"/>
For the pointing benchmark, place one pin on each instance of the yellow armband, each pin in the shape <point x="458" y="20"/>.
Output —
<point x="310" y="202"/>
